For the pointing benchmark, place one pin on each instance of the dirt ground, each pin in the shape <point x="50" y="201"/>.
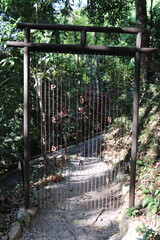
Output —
<point x="81" y="207"/>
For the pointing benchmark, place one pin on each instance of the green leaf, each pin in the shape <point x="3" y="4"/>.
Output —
<point x="145" y="201"/>
<point x="139" y="162"/>
<point x="145" y="191"/>
<point x="150" y="204"/>
<point x="157" y="192"/>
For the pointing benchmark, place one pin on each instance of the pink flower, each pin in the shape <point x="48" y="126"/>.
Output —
<point x="62" y="114"/>
<point x="80" y="109"/>
<point x="109" y="119"/>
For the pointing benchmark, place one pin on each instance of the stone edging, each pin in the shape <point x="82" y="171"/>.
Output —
<point x="23" y="219"/>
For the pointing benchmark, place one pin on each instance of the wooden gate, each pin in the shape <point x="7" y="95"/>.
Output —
<point x="80" y="109"/>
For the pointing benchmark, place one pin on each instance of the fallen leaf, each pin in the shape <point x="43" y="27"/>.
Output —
<point x="75" y="221"/>
<point x="63" y="217"/>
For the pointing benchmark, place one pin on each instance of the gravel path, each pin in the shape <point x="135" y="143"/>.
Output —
<point x="84" y="206"/>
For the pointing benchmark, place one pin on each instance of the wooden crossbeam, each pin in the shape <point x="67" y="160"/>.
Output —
<point x="87" y="49"/>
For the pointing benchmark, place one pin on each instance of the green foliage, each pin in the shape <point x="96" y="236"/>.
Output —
<point x="131" y="212"/>
<point x="148" y="166"/>
<point x="153" y="22"/>
<point x="113" y="12"/>
<point x="150" y="190"/>
<point x="11" y="104"/>
<point x="11" y="84"/>
<point x="147" y="234"/>
<point x="152" y="199"/>
<point x="30" y="11"/>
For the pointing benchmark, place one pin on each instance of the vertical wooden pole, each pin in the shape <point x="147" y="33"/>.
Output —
<point x="135" y="122"/>
<point x="83" y="37"/>
<point x="26" y="120"/>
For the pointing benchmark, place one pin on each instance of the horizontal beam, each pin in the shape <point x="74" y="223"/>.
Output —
<point x="87" y="49"/>
<point x="61" y="27"/>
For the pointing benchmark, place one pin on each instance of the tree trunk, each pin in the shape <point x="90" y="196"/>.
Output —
<point x="141" y="13"/>
<point x="141" y="21"/>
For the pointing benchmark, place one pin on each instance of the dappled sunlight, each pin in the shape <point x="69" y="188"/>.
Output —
<point x="88" y="183"/>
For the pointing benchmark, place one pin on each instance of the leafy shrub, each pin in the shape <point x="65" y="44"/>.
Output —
<point x="147" y="234"/>
<point x="152" y="200"/>
<point x="131" y="212"/>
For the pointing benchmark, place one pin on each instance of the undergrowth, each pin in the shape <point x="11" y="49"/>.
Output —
<point x="147" y="233"/>
<point x="148" y="167"/>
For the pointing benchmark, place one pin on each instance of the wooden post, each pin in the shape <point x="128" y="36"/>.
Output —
<point x="135" y="122"/>
<point x="26" y="120"/>
<point x="83" y="37"/>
